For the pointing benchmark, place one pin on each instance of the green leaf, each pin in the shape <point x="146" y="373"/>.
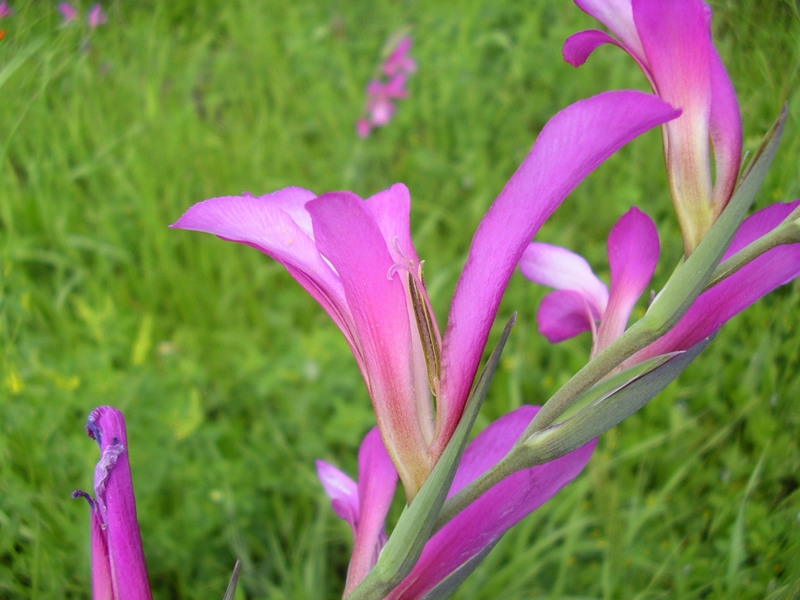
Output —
<point x="609" y="405"/>
<point x="230" y="592"/>
<point x="416" y="523"/>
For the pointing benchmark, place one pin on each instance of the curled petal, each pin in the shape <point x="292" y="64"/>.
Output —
<point x="342" y="491"/>
<point x="563" y="314"/>
<point x="579" y="46"/>
<point x="563" y="269"/>
<point x="617" y="15"/>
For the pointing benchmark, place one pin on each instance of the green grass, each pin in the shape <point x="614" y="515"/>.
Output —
<point x="233" y="381"/>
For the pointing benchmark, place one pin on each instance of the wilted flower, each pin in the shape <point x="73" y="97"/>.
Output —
<point x="119" y="571"/>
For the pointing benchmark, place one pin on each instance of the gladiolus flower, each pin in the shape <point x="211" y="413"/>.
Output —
<point x="474" y="530"/>
<point x="399" y="62"/>
<point x="68" y="12"/>
<point x="356" y="259"/>
<point x="96" y="16"/>
<point x="364" y="505"/>
<point x="579" y="303"/>
<point x="381" y="95"/>
<point x="118" y="565"/>
<point x="671" y="42"/>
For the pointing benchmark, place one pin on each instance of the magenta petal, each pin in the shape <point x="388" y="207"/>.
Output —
<point x="377" y="479"/>
<point x="633" y="251"/>
<point x="116" y="509"/>
<point x="726" y="133"/>
<point x="278" y="225"/>
<point x="617" y="15"/>
<point x="579" y="46"/>
<point x="349" y="236"/>
<point x="676" y="37"/>
<point x="572" y="144"/>
<point x="68" y="12"/>
<point x="486" y="520"/>
<point x="563" y="269"/>
<point x="563" y="314"/>
<point x="342" y="491"/>
<point x="729" y="297"/>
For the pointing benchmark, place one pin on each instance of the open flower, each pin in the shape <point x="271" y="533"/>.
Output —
<point x="381" y="94"/>
<point x="364" y="505"/>
<point x="118" y="566"/>
<point x="633" y="253"/>
<point x="355" y="257"/>
<point x="581" y="301"/>
<point x="671" y="42"/>
<point x="473" y="531"/>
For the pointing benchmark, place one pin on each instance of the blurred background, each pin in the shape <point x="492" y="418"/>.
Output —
<point x="233" y="380"/>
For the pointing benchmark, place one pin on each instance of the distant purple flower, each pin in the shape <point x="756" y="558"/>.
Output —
<point x="399" y="61"/>
<point x="380" y="102"/>
<point x="96" y="16"/>
<point x="381" y="94"/>
<point x="5" y="9"/>
<point x="68" y="12"/>
<point x="118" y="566"/>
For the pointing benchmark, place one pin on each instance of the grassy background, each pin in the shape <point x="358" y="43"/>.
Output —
<point x="233" y="381"/>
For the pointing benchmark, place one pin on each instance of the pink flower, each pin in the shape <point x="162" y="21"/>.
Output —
<point x="356" y="258"/>
<point x="473" y="531"/>
<point x="96" y="16"/>
<point x="68" y="12"/>
<point x="581" y="301"/>
<point x="364" y="505"/>
<point x="633" y="253"/>
<point x="381" y="95"/>
<point x="5" y="10"/>
<point x="118" y="565"/>
<point x="671" y="42"/>
<point x="399" y="62"/>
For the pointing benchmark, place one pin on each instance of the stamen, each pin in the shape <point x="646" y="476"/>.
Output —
<point x="427" y="330"/>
